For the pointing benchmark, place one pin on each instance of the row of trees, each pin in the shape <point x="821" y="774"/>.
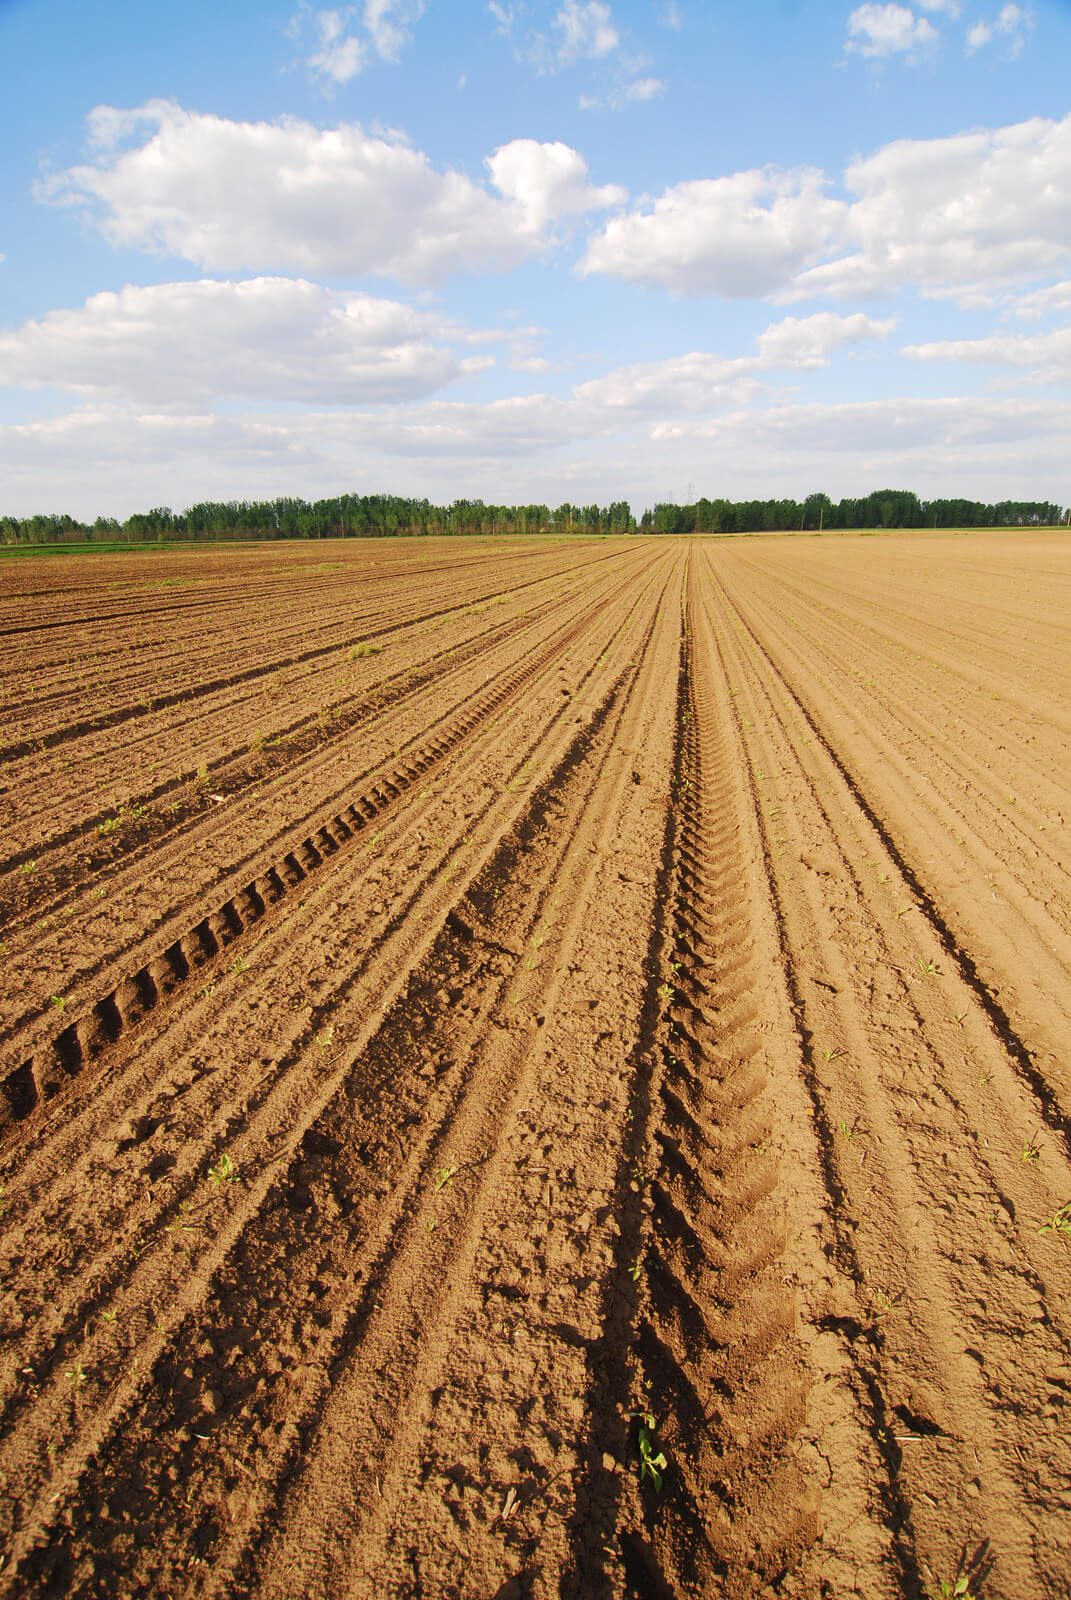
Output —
<point x="347" y="516"/>
<point x="885" y="508"/>
<point x="354" y="516"/>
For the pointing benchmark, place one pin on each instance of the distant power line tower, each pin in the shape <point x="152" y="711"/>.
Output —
<point x="690" y="496"/>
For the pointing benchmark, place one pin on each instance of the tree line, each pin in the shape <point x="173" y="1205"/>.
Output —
<point x="353" y="516"/>
<point x="347" y="516"/>
<point x="884" y="508"/>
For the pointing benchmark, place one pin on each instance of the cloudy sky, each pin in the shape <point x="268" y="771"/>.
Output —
<point x="533" y="250"/>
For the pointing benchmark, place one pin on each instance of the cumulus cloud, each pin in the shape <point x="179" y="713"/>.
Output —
<point x="342" y="40"/>
<point x="584" y="28"/>
<point x="987" y="440"/>
<point x="579" y="31"/>
<point x="270" y="338"/>
<point x="548" y="182"/>
<point x="1056" y="297"/>
<point x="739" y="236"/>
<point x="1047" y="356"/>
<point x="537" y="447"/>
<point x="965" y="216"/>
<point x="701" y="381"/>
<point x="1012" y="23"/>
<point x="808" y="342"/>
<point x="287" y="195"/>
<point x="338" y="56"/>
<point x="877" y="32"/>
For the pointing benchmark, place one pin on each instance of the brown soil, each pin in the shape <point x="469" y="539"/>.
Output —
<point x="570" y="1101"/>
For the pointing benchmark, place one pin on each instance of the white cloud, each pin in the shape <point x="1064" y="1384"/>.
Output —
<point x="267" y="338"/>
<point x="586" y="29"/>
<point x="334" y="202"/>
<point x="1057" y="297"/>
<point x="643" y="89"/>
<point x="1012" y="22"/>
<point x="877" y="32"/>
<point x="739" y="236"/>
<point x="965" y="216"/>
<point x="342" y="39"/>
<point x="985" y="447"/>
<point x="105" y="459"/>
<point x="670" y="17"/>
<point x="389" y="22"/>
<point x="701" y="381"/>
<point x="1046" y="355"/>
<point x="339" y="55"/>
<point x="548" y="181"/>
<point x="808" y="342"/>
<point x="694" y="382"/>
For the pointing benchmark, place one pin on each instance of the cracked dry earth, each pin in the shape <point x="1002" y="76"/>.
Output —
<point x="537" y="1068"/>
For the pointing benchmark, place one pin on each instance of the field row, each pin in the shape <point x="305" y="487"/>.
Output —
<point x="587" y="1118"/>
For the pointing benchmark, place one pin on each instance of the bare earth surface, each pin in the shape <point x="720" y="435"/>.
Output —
<point x="537" y="1068"/>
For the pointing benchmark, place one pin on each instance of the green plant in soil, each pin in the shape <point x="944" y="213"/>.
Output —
<point x="1059" y="1222"/>
<point x="653" y="1461"/>
<point x="224" y="1171"/>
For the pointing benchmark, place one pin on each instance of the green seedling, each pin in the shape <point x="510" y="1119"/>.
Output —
<point x="846" y="1132"/>
<point x="636" y="1269"/>
<point x="443" y="1176"/>
<point x="653" y="1461"/>
<point x="76" y="1375"/>
<point x="886" y="1304"/>
<point x="665" y="992"/>
<point x="1059" y="1222"/>
<point x="1030" y="1151"/>
<point x="224" y="1171"/>
<point x="958" y="1587"/>
<point x="28" y="867"/>
<point x="834" y="1054"/>
<point x="59" y="1001"/>
<point x="928" y="969"/>
<point x="109" y="1316"/>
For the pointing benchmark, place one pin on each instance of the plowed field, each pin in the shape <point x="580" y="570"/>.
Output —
<point x="537" y="1068"/>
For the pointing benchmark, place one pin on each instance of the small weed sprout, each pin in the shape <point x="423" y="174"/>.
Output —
<point x="443" y="1176"/>
<point x="653" y="1461"/>
<point x="1030" y="1151"/>
<point x="1059" y="1222"/>
<point x="59" y="1002"/>
<point x="960" y="1586"/>
<point x="224" y="1171"/>
<point x="636" y="1269"/>
<point x="928" y="969"/>
<point x="364" y="649"/>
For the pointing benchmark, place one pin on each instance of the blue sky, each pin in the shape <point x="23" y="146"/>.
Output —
<point x="560" y="249"/>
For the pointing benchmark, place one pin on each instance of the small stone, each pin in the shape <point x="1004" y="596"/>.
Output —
<point x="212" y="1401"/>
